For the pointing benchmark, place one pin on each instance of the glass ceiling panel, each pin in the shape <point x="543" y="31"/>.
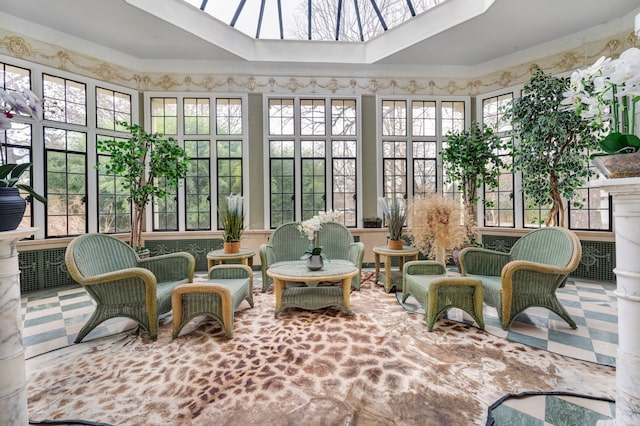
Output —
<point x="345" y="20"/>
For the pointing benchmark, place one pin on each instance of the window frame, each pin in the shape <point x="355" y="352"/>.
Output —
<point x="410" y="138"/>
<point x="297" y="138"/>
<point x="213" y="137"/>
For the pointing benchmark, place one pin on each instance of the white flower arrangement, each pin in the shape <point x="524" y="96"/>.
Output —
<point x="312" y="225"/>
<point x="607" y="93"/>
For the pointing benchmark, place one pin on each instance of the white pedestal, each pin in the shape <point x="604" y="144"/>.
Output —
<point x="13" y="382"/>
<point x="626" y="211"/>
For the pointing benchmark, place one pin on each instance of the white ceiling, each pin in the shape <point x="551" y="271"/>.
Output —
<point x="506" y="28"/>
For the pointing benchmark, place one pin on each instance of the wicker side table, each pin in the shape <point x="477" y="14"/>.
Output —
<point x="392" y="278"/>
<point x="244" y="257"/>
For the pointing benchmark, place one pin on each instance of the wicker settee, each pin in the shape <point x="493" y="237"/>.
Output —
<point x="287" y="243"/>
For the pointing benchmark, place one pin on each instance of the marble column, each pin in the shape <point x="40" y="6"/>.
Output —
<point x="13" y="381"/>
<point x="626" y="212"/>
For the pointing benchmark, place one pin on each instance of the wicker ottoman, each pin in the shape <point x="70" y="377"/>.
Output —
<point x="428" y="282"/>
<point x="218" y="297"/>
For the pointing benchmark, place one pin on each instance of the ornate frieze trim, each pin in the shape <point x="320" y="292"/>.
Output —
<point x="60" y="58"/>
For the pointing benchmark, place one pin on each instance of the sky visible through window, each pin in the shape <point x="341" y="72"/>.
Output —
<point x="360" y="20"/>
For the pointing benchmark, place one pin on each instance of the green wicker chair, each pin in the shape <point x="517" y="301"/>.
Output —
<point x="122" y="284"/>
<point x="528" y="275"/>
<point x="287" y="243"/>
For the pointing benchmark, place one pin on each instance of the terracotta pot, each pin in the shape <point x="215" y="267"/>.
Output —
<point x="395" y="244"/>
<point x="12" y="207"/>
<point x="231" y="247"/>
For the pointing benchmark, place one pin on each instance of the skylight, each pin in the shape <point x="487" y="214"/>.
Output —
<point x="342" y="20"/>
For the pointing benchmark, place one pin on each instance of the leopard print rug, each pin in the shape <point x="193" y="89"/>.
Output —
<point x="378" y="367"/>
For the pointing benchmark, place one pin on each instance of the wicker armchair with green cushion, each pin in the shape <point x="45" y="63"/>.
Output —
<point x="287" y="243"/>
<point x="528" y="275"/>
<point x="122" y="284"/>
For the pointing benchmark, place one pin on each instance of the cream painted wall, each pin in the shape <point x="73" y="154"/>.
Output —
<point x="369" y="173"/>
<point x="257" y="173"/>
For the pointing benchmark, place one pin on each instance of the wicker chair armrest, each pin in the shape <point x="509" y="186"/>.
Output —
<point x="189" y="288"/>
<point x="170" y="267"/>
<point x="267" y="254"/>
<point x="356" y="253"/>
<point x="227" y="271"/>
<point x="536" y="273"/>
<point x="516" y="265"/>
<point x="424" y="267"/>
<point x="481" y="261"/>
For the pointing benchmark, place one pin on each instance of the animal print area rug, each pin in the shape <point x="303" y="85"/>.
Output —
<point x="379" y="366"/>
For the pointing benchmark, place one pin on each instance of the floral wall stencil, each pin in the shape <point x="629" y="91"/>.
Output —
<point x="58" y="57"/>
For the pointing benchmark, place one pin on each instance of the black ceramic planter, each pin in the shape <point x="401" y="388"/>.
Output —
<point x="12" y="207"/>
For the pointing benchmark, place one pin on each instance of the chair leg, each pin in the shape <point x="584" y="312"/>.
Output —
<point x="559" y="310"/>
<point x="95" y="320"/>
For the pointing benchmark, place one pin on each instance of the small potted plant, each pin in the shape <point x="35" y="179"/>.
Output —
<point x="142" y="161"/>
<point x="233" y="222"/>
<point x="310" y="229"/>
<point x="12" y="205"/>
<point x="395" y="215"/>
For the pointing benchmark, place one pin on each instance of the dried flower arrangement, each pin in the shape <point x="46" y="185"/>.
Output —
<point x="437" y="223"/>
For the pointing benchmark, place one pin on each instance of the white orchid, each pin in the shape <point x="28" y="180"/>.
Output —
<point x="312" y="225"/>
<point x="22" y="102"/>
<point x="607" y="93"/>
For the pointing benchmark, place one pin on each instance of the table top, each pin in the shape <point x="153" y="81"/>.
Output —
<point x="406" y="251"/>
<point x="220" y="254"/>
<point x="297" y="271"/>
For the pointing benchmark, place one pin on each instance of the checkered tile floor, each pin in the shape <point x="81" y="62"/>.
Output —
<point x="545" y="410"/>
<point x="53" y="318"/>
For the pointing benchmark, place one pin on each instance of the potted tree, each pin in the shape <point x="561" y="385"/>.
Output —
<point x="471" y="159"/>
<point x="142" y="161"/>
<point x="554" y="145"/>
<point x="233" y="222"/>
<point x="395" y="215"/>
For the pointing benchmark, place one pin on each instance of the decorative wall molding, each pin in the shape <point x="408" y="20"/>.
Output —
<point x="60" y="58"/>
